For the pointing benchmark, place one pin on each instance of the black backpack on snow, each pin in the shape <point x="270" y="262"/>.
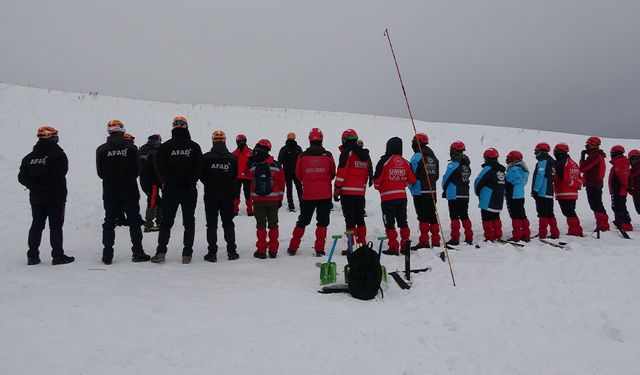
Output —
<point x="262" y="178"/>
<point x="365" y="273"/>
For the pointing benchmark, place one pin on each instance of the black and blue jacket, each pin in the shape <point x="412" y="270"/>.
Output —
<point x="489" y="186"/>
<point x="457" y="177"/>
<point x="542" y="186"/>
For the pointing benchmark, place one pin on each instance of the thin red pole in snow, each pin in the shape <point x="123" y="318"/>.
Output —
<point x="424" y="163"/>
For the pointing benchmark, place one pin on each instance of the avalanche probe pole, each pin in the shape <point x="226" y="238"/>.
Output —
<point x="424" y="163"/>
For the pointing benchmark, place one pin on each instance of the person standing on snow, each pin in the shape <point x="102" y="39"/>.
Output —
<point x="542" y="191"/>
<point x="618" y="188"/>
<point x="179" y="166"/>
<point x="634" y="178"/>
<point x="267" y="191"/>
<point x="288" y="156"/>
<point x="43" y="171"/>
<point x="150" y="183"/>
<point x="354" y="172"/>
<point x="392" y="176"/>
<point x="219" y="180"/>
<point x="118" y="165"/>
<point x="593" y="169"/>
<point x="315" y="169"/>
<point x="515" y="181"/>
<point x="489" y="187"/>
<point x="567" y="181"/>
<point x="243" y="153"/>
<point x="424" y="191"/>
<point x="455" y="186"/>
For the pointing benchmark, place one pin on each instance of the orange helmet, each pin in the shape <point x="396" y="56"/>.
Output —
<point x="180" y="122"/>
<point x="218" y="136"/>
<point x="115" y="126"/>
<point x="47" y="132"/>
<point x="291" y="135"/>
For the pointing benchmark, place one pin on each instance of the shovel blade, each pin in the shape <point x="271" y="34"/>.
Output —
<point x="328" y="274"/>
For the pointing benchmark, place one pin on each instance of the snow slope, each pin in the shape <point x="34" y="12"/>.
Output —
<point x="538" y="310"/>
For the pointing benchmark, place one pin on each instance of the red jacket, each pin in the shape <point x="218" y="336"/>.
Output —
<point x="567" y="180"/>
<point x="353" y="172"/>
<point x="394" y="178"/>
<point x="316" y="169"/>
<point x="243" y="157"/>
<point x="619" y="176"/>
<point x="593" y="168"/>
<point x="277" y="180"/>
<point x="634" y="178"/>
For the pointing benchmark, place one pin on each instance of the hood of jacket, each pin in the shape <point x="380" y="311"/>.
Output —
<point x="180" y="133"/>
<point x="219" y="149"/>
<point x="394" y="146"/>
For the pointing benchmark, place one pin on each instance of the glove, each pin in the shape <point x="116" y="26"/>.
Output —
<point x="444" y="194"/>
<point x="583" y="154"/>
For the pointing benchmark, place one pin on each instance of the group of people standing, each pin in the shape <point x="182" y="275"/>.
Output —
<point x="169" y="173"/>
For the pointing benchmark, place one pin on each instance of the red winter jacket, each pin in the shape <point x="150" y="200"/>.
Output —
<point x="277" y="179"/>
<point x="634" y="178"/>
<point x="619" y="176"/>
<point x="243" y="157"/>
<point x="316" y="169"/>
<point x="354" y="170"/>
<point x="593" y="168"/>
<point x="394" y="178"/>
<point x="567" y="180"/>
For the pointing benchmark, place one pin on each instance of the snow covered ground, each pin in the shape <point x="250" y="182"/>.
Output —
<point x="536" y="310"/>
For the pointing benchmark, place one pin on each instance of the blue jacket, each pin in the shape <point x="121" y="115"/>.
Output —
<point x="489" y="186"/>
<point x="543" y="177"/>
<point x="517" y="176"/>
<point x="455" y="181"/>
<point x="433" y="171"/>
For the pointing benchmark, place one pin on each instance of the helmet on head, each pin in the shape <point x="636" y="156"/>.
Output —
<point x="315" y="135"/>
<point x="634" y="154"/>
<point x="457" y="146"/>
<point x="241" y="137"/>
<point x="47" y="132"/>
<point x="291" y="135"/>
<point x="514" y="156"/>
<point x="421" y="137"/>
<point x="180" y="122"/>
<point x="593" y="141"/>
<point x="349" y="134"/>
<point x="129" y="137"/>
<point x="218" y="136"/>
<point x="491" y="153"/>
<point x="542" y="146"/>
<point x="264" y="143"/>
<point x="115" y="126"/>
<point x="154" y="139"/>
<point x="617" y="149"/>
<point x="561" y="147"/>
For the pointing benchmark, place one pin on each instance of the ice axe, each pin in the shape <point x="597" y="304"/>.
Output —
<point x="349" y="235"/>
<point x="383" y="269"/>
<point x="328" y="270"/>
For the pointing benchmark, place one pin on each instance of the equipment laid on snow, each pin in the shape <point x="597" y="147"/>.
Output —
<point x="365" y="273"/>
<point x="328" y="270"/>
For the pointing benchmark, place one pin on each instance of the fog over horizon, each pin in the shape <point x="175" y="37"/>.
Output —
<point x="570" y="66"/>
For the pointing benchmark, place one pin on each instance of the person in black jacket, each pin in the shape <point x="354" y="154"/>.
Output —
<point x="426" y="167"/>
<point x="178" y="166"/>
<point x="455" y="186"/>
<point x="43" y="172"/>
<point x="219" y="180"/>
<point x="542" y="191"/>
<point x="118" y="165"/>
<point x="150" y="183"/>
<point x="288" y="156"/>
<point x="489" y="187"/>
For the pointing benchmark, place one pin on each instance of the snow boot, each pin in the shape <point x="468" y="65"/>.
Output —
<point x="554" y="232"/>
<point x="602" y="221"/>
<point x="627" y="227"/>
<point x="211" y="256"/>
<point x="186" y="259"/>
<point x="435" y="235"/>
<point x="273" y="255"/>
<point x="233" y="255"/>
<point x="574" y="227"/>
<point x="361" y="233"/>
<point x="497" y="229"/>
<point x="140" y="256"/>
<point x="274" y="244"/>
<point x="249" y="203"/>
<point x="468" y="231"/>
<point x="294" y="244"/>
<point x="261" y="243"/>
<point x="525" y="230"/>
<point x="487" y="226"/>
<point x="455" y="232"/>
<point x="405" y="235"/>
<point x="543" y="222"/>
<point x="62" y="259"/>
<point x="516" y="232"/>
<point x="260" y="255"/>
<point x="423" y="240"/>
<point x="32" y="261"/>
<point x="394" y="245"/>
<point x="321" y="238"/>
<point x="452" y="242"/>
<point x="107" y="255"/>
<point x="161" y="253"/>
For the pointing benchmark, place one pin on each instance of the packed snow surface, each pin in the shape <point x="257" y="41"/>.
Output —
<point x="535" y="310"/>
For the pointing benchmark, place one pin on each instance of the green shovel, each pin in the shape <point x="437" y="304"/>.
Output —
<point x="328" y="270"/>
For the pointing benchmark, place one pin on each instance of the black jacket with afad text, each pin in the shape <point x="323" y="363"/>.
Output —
<point x="118" y="165"/>
<point x="179" y="160"/>
<point x="43" y="171"/>
<point x="219" y="174"/>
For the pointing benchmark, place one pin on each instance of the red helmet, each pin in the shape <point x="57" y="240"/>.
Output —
<point x="491" y="153"/>
<point x="514" y="155"/>
<point x="561" y="147"/>
<point x="458" y="146"/>
<point x="617" y="149"/>
<point x="264" y="143"/>
<point x="316" y="135"/>
<point x="47" y="132"/>
<point x="349" y="134"/>
<point x="241" y="137"/>
<point x="593" y="141"/>
<point x="634" y="154"/>
<point x="422" y="138"/>
<point x="542" y="146"/>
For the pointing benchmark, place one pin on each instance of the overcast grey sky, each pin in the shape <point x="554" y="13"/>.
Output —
<point x="568" y="65"/>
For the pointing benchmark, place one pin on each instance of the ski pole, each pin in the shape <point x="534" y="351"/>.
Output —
<point x="407" y="260"/>
<point x="424" y="163"/>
